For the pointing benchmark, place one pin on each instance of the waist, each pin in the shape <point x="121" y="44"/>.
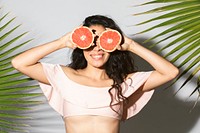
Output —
<point x="91" y="124"/>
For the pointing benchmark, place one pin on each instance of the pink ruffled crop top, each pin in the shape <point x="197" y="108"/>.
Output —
<point x="69" y="98"/>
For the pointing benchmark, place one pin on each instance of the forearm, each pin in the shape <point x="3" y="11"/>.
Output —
<point x="160" y="64"/>
<point x="33" y="55"/>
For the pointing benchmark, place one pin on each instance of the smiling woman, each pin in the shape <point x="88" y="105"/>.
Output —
<point x="98" y="89"/>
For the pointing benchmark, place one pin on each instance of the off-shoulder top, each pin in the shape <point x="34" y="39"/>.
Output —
<point x="70" y="98"/>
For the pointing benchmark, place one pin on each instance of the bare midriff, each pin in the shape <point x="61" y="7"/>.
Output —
<point x="91" y="124"/>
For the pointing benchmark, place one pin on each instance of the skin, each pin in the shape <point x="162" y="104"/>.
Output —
<point x="94" y="75"/>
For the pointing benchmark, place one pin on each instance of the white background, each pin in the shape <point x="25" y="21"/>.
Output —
<point x="47" y="20"/>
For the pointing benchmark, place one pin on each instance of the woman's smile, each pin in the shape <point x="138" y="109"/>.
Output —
<point x="97" y="56"/>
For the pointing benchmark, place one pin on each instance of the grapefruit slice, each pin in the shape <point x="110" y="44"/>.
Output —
<point x="109" y="40"/>
<point x="82" y="37"/>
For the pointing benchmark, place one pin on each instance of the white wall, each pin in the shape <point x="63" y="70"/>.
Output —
<point x="48" y="20"/>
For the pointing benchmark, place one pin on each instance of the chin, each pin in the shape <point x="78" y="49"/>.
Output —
<point x="98" y="65"/>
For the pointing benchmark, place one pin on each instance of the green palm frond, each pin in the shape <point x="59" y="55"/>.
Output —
<point x="182" y="17"/>
<point x="15" y="88"/>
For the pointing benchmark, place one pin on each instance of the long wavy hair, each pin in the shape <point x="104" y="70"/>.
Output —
<point x="119" y="64"/>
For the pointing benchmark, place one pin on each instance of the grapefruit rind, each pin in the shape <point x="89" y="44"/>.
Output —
<point x="109" y="37"/>
<point x="83" y="41"/>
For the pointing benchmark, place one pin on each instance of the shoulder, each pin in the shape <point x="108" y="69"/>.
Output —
<point x="137" y="78"/>
<point x="139" y="74"/>
<point x="130" y="75"/>
<point x="56" y="69"/>
<point x="135" y="82"/>
<point x="68" y="71"/>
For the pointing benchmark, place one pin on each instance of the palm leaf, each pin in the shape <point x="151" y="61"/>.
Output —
<point x="15" y="96"/>
<point x="185" y="51"/>
<point x="13" y="128"/>
<point x="181" y="38"/>
<point x="5" y="25"/>
<point x="6" y="35"/>
<point x="178" y="19"/>
<point x="192" y="75"/>
<point x="189" y="78"/>
<point x="15" y="82"/>
<point x="10" y="108"/>
<point x="10" y="123"/>
<point x="192" y="56"/>
<point x="15" y="88"/>
<point x="12" y="116"/>
<point x="173" y="5"/>
<point x="4" y="65"/>
<point x="16" y="47"/>
<point x="183" y="19"/>
<point x="10" y="76"/>
<point x="19" y="102"/>
<point x="184" y="27"/>
<point x="7" y="60"/>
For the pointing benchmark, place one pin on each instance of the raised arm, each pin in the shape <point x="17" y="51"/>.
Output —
<point x="164" y="70"/>
<point x="27" y="62"/>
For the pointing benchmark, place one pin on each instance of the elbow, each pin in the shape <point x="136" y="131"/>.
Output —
<point x="15" y="63"/>
<point x="174" y="73"/>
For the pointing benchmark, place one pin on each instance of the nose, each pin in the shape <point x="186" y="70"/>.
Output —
<point x="96" y="43"/>
<point x="97" y="46"/>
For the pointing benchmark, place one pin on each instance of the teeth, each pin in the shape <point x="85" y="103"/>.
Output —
<point x="97" y="56"/>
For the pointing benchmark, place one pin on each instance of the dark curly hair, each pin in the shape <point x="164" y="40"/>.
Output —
<point x="119" y="64"/>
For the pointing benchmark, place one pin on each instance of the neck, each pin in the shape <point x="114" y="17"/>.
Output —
<point x="94" y="73"/>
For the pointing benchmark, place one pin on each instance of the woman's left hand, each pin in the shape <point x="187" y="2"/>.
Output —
<point x="126" y="45"/>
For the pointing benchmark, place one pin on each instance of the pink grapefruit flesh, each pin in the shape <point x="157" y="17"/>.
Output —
<point x="82" y="37"/>
<point x="109" y="40"/>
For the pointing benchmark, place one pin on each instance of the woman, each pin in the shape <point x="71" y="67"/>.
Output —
<point x="98" y="89"/>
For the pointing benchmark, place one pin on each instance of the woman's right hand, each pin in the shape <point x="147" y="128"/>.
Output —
<point x="66" y="41"/>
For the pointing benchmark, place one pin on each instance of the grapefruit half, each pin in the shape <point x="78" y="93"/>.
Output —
<point x="109" y="40"/>
<point x="82" y="37"/>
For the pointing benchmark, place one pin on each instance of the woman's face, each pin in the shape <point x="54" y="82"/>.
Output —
<point x="95" y="56"/>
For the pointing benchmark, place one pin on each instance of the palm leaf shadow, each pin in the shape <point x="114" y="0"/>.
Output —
<point x="183" y="19"/>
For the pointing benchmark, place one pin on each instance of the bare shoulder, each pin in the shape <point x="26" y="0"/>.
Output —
<point x="68" y="70"/>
